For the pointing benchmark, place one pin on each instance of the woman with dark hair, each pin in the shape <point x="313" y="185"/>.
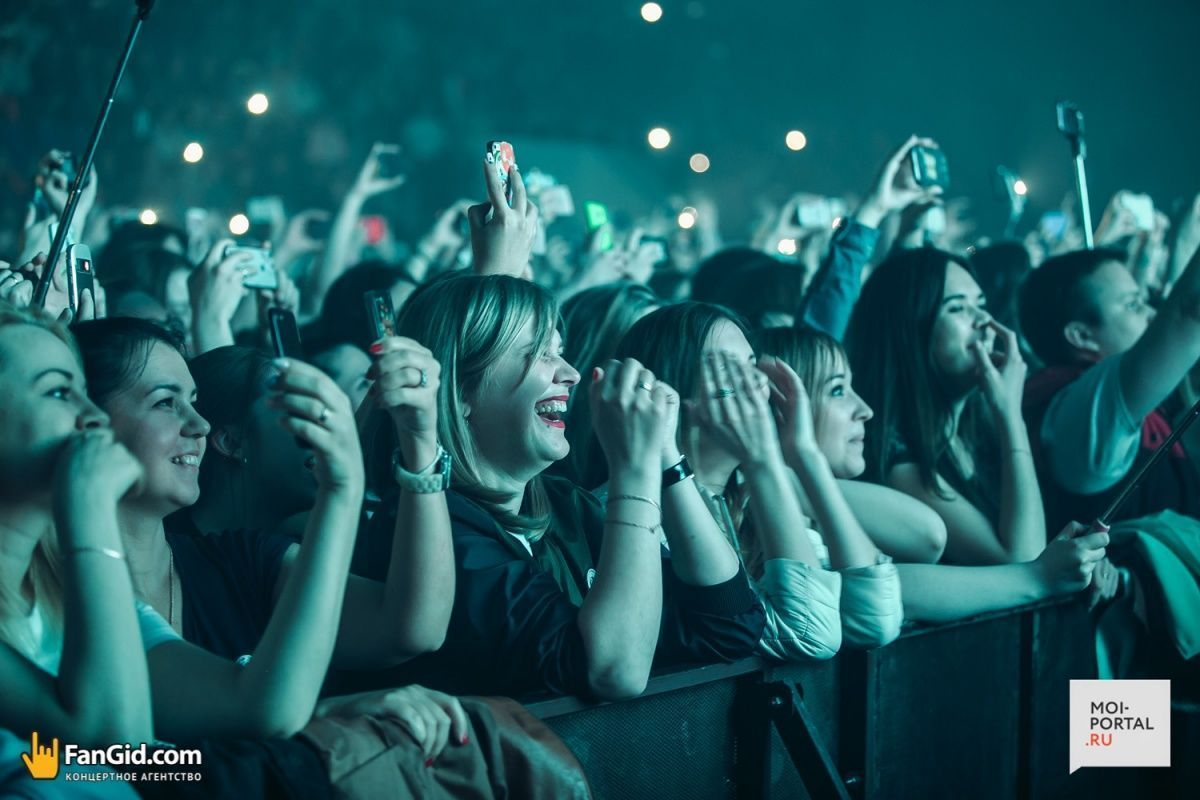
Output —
<point x="932" y="592"/>
<point x="594" y="321"/>
<point x="552" y="592"/>
<point x="946" y="380"/>
<point x="818" y="588"/>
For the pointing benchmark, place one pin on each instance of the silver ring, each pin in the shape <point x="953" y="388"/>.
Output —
<point x="721" y="394"/>
<point x="649" y="387"/>
<point x="324" y="415"/>
<point x="424" y="379"/>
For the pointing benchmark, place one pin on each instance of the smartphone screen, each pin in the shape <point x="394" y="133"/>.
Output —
<point x="285" y="335"/>
<point x="381" y="316"/>
<point x="596" y="217"/>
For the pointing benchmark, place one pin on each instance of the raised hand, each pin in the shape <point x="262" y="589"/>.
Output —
<point x="370" y="180"/>
<point x="1067" y="563"/>
<point x="1001" y="372"/>
<point x="736" y="409"/>
<point x="93" y="471"/>
<point x="406" y="378"/>
<point x="792" y="408"/>
<point x="630" y="413"/>
<point x="319" y="415"/>
<point x="15" y="288"/>
<point x="55" y="185"/>
<point x="896" y="188"/>
<point x="503" y="244"/>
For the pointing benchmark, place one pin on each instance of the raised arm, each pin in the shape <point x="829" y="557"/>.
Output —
<point x="620" y="617"/>
<point x="197" y="694"/>
<point x="1161" y="358"/>
<point x="101" y="693"/>
<point x="501" y="244"/>
<point x="406" y="615"/>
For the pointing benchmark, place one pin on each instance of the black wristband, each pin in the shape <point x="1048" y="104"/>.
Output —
<point x="679" y="471"/>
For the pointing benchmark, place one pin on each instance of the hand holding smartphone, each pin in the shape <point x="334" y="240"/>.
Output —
<point x="381" y="316"/>
<point x="285" y="335"/>
<point x="259" y="272"/>
<point x="929" y="167"/>
<point x="502" y="158"/>
<point x="80" y="276"/>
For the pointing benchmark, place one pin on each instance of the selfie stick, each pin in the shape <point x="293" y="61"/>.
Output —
<point x="1102" y="523"/>
<point x="85" y="164"/>
<point x="1079" y="151"/>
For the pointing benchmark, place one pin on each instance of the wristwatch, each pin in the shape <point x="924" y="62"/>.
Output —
<point x="433" y="478"/>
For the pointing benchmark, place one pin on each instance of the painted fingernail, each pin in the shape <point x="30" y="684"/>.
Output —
<point x="281" y="363"/>
<point x="465" y="739"/>
<point x="376" y="348"/>
<point x="595" y="373"/>
<point x="429" y="762"/>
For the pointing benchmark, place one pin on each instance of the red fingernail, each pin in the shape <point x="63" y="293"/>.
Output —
<point x="595" y="373"/>
<point x="429" y="762"/>
<point x="465" y="739"/>
<point x="376" y="348"/>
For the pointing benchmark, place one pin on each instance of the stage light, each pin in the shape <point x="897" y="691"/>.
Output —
<point x="699" y="163"/>
<point x="148" y="216"/>
<point x="193" y="153"/>
<point x="239" y="224"/>
<point x="687" y="218"/>
<point x="787" y="247"/>
<point x="1020" y="188"/>
<point x="659" y="138"/>
<point x="652" y="12"/>
<point x="796" y="140"/>
<point x="257" y="104"/>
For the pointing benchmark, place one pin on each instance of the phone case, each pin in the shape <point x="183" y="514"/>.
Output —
<point x="284" y="333"/>
<point x="380" y="314"/>
<point x="500" y="155"/>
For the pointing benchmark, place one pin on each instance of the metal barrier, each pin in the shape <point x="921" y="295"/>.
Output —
<point x="972" y="709"/>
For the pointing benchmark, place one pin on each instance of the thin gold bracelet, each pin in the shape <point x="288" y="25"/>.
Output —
<point x="638" y="497"/>
<point x="652" y="528"/>
<point x="104" y="551"/>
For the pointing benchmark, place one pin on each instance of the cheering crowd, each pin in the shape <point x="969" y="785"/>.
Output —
<point x="567" y="461"/>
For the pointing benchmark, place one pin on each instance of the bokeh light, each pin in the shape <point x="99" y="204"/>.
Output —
<point x="1019" y="187"/>
<point x="239" y="224"/>
<point x="699" y="163"/>
<point x="652" y="12"/>
<point x="659" y="138"/>
<point x="148" y="216"/>
<point x="193" y="153"/>
<point x="796" y="140"/>
<point x="787" y="247"/>
<point x="687" y="218"/>
<point x="258" y="103"/>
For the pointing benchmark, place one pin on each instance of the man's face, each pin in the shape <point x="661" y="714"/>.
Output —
<point x="1121" y="313"/>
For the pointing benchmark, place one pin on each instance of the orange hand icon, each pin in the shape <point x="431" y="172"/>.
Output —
<point x="44" y="764"/>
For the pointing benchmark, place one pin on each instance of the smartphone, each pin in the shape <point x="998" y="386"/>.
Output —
<point x="374" y="229"/>
<point x="556" y="200"/>
<point x="595" y="216"/>
<point x="1052" y="226"/>
<point x="1070" y="119"/>
<point x="929" y="167"/>
<point x="285" y="335"/>
<point x="657" y="247"/>
<point x="260" y="271"/>
<point x="266" y="215"/>
<point x="500" y="155"/>
<point x="819" y="212"/>
<point x="81" y="276"/>
<point x="381" y="316"/>
<point x="1142" y="209"/>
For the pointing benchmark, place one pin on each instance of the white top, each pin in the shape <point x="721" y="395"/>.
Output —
<point x="1089" y="438"/>
<point x="41" y="641"/>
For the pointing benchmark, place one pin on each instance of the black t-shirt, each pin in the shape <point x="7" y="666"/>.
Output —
<point x="228" y="581"/>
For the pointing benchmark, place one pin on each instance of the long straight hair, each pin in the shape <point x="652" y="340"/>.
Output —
<point x="890" y="345"/>
<point x="44" y="571"/>
<point x="468" y="321"/>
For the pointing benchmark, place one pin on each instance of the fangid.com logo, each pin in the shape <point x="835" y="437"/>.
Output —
<point x="78" y="764"/>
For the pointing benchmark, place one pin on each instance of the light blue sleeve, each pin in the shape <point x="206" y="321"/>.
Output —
<point x="872" y="611"/>
<point x="801" y="602"/>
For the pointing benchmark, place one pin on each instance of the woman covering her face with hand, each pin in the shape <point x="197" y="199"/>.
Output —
<point x="819" y="588"/>
<point x="553" y="592"/>
<point x="932" y="592"/>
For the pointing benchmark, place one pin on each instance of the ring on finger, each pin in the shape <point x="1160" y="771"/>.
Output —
<point x="424" y="378"/>
<point x="324" y="417"/>
<point x="721" y="394"/>
<point x="647" y="385"/>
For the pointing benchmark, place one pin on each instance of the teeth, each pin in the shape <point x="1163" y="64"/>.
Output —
<point x="551" y="407"/>
<point x="187" y="461"/>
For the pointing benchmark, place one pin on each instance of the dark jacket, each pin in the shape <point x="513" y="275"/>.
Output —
<point x="513" y="630"/>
